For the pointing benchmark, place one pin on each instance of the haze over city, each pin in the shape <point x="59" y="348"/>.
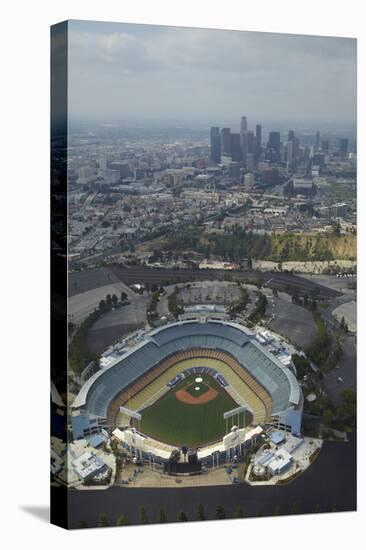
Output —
<point x="126" y="72"/>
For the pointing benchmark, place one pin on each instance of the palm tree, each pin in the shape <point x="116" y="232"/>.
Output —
<point x="122" y="520"/>
<point x="162" y="516"/>
<point x="201" y="512"/>
<point x="239" y="512"/>
<point x="81" y="525"/>
<point x="143" y="515"/>
<point x="182" y="516"/>
<point x="296" y="508"/>
<point x="220" y="512"/>
<point x="103" y="522"/>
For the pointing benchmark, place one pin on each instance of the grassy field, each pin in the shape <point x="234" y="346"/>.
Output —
<point x="177" y="423"/>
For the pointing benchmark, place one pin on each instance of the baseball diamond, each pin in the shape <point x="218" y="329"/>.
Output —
<point x="182" y="377"/>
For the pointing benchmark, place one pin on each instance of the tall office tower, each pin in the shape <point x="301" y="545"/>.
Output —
<point x="291" y="136"/>
<point x="243" y="124"/>
<point x="244" y="145"/>
<point x="225" y="141"/>
<point x="258" y="140"/>
<point x="251" y="142"/>
<point x="215" y="144"/>
<point x="274" y="143"/>
<point x="258" y="134"/>
<point x="249" y="162"/>
<point x="325" y="146"/>
<point x="289" y="153"/>
<point x="235" y="148"/>
<point x="317" y="141"/>
<point x="343" y="147"/>
<point x="296" y="151"/>
<point x="295" y="144"/>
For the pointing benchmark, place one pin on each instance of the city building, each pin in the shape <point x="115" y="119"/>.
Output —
<point x="215" y="145"/>
<point x="226" y="141"/>
<point x="235" y="149"/>
<point x="338" y="210"/>
<point x="274" y="146"/>
<point x="249" y="181"/>
<point x="243" y="124"/>
<point x="249" y="164"/>
<point x="234" y="170"/>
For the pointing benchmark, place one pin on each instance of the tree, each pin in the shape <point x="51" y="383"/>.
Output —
<point x="114" y="299"/>
<point x="220" y="512"/>
<point x="122" y="520"/>
<point x="102" y="304"/>
<point x="239" y="512"/>
<point x="103" y="522"/>
<point x="328" y="417"/>
<point x="201" y="512"/>
<point x="143" y="516"/>
<point x="295" y="508"/>
<point x="81" y="525"/>
<point x="162" y="518"/>
<point x="123" y="296"/>
<point x="182" y="516"/>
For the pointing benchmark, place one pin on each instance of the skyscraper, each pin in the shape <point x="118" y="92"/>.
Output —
<point x="290" y="153"/>
<point x="251" y="142"/>
<point x="235" y="148"/>
<point x="215" y="144"/>
<point x="244" y="145"/>
<point x="249" y="162"/>
<point x="274" y="143"/>
<point x="291" y="136"/>
<point x="317" y="141"/>
<point x="243" y="124"/>
<point x="258" y="140"/>
<point x="226" y="141"/>
<point x="295" y="145"/>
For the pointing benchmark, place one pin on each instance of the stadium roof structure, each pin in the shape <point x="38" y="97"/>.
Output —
<point x="229" y="337"/>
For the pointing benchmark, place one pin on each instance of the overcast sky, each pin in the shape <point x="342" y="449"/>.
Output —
<point x="124" y="71"/>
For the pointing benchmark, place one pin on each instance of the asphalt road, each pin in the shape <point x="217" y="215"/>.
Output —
<point x="346" y="370"/>
<point x="94" y="278"/>
<point x="330" y="481"/>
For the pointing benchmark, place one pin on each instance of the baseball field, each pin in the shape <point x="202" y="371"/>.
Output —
<point x="189" y="414"/>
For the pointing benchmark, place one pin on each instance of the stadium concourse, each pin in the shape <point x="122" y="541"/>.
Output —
<point x="136" y="388"/>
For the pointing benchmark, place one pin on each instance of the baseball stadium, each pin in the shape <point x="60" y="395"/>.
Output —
<point x="201" y="384"/>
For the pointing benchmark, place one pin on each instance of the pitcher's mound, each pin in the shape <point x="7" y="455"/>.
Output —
<point x="185" y="397"/>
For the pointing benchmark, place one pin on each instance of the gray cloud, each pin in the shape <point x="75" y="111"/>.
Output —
<point x="165" y="72"/>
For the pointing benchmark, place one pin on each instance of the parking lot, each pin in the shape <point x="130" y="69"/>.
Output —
<point x="292" y="321"/>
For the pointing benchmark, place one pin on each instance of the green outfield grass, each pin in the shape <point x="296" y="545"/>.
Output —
<point x="177" y="423"/>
